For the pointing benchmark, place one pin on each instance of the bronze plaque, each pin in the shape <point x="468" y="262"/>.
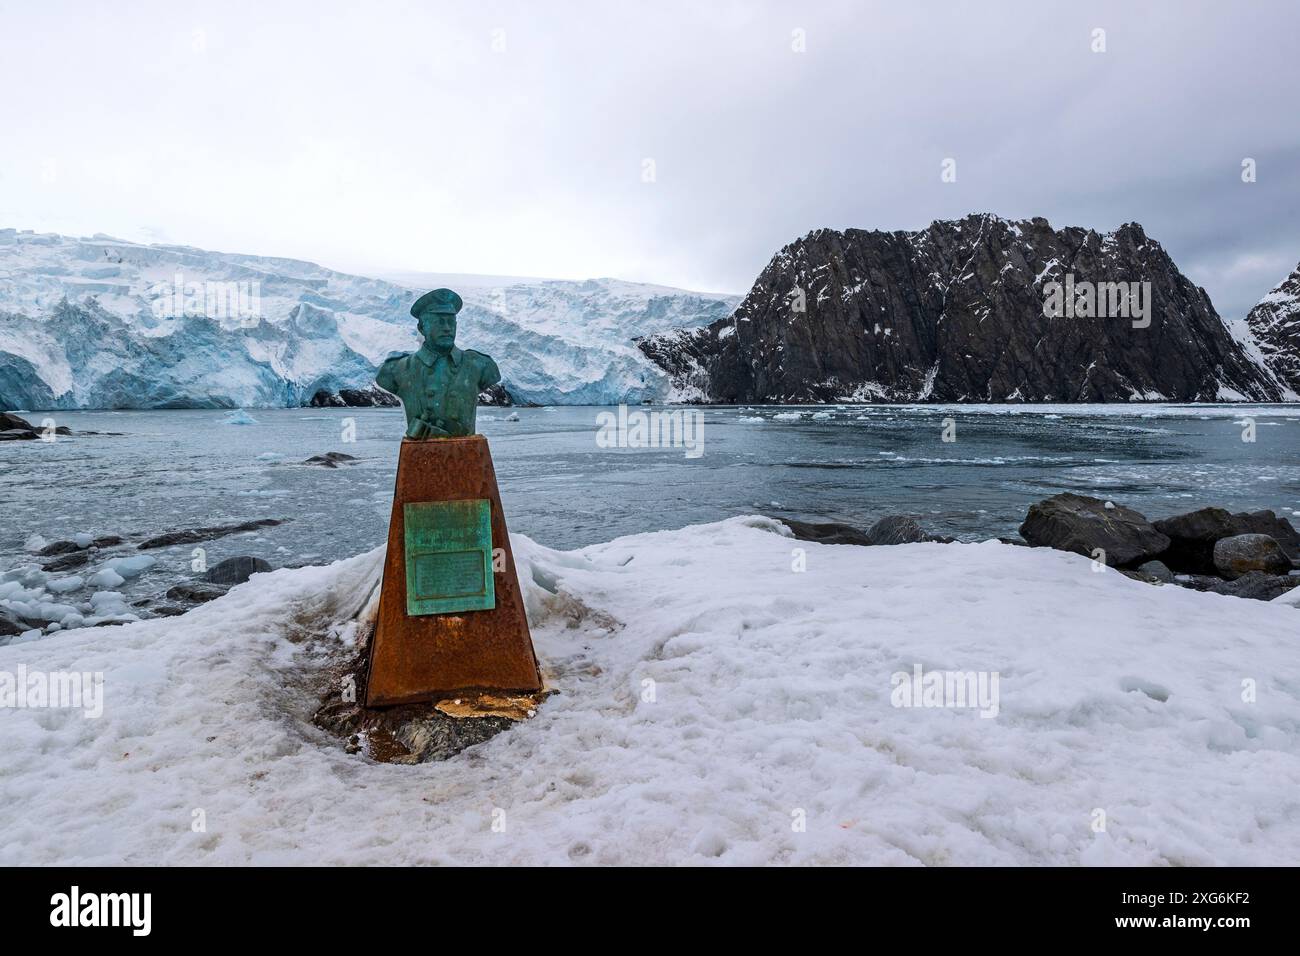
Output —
<point x="448" y="556"/>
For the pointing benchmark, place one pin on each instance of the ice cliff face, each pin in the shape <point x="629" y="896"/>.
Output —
<point x="955" y="313"/>
<point x="104" y="323"/>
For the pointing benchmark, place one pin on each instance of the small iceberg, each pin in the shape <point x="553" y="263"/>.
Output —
<point x="239" y="417"/>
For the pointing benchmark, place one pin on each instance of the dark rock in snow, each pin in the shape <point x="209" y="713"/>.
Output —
<point x="892" y="529"/>
<point x="236" y="570"/>
<point x="1243" y="553"/>
<point x="1078" y="523"/>
<point x="1156" y="571"/>
<point x="955" y="313"/>
<point x="206" y="534"/>
<point x="1199" y="582"/>
<point x="1257" y="585"/>
<point x="826" y="532"/>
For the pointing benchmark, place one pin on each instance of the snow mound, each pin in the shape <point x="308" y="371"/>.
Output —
<point x="710" y="698"/>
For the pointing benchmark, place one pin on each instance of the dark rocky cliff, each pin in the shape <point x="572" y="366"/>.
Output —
<point x="1274" y="325"/>
<point x="955" y="313"/>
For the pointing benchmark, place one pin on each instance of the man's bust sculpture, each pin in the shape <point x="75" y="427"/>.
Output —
<point x="438" y="384"/>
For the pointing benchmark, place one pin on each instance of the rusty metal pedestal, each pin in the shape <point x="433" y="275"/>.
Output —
<point x="419" y="653"/>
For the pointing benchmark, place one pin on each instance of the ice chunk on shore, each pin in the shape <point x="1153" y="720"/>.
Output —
<point x="132" y="566"/>
<point x="106" y="578"/>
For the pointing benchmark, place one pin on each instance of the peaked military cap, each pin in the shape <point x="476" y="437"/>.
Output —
<point x="439" y="300"/>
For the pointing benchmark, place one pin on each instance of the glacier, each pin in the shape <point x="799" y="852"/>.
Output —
<point x="101" y="322"/>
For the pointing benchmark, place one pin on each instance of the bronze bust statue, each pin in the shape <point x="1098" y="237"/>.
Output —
<point x="439" y="384"/>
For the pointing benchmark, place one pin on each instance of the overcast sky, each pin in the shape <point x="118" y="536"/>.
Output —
<point x="516" y="138"/>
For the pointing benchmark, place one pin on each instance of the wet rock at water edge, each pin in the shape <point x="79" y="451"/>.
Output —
<point x="896" y="529"/>
<point x="11" y="625"/>
<point x="1083" y="525"/>
<point x="207" y="534"/>
<point x="1243" y="553"/>
<point x="196" y="592"/>
<point x="67" y="547"/>
<point x="68" y="561"/>
<point x="236" y="570"/>
<point x="16" y="428"/>
<point x="1257" y="585"/>
<point x="11" y="422"/>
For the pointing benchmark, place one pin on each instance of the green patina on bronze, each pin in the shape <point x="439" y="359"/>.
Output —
<point x="448" y="556"/>
<point x="439" y="384"/>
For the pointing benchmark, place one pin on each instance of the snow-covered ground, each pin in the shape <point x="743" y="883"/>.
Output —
<point x="710" y="699"/>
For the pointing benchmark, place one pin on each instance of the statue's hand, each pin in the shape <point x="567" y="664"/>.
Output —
<point x="424" y="429"/>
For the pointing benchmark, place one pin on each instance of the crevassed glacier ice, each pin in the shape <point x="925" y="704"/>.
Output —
<point x="106" y="323"/>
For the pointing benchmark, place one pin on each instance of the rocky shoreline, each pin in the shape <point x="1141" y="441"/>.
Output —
<point x="1253" y="555"/>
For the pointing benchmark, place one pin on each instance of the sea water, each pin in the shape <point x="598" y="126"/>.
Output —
<point x="174" y="470"/>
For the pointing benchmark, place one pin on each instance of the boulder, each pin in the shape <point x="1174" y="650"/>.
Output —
<point x="1078" y="523"/>
<point x="236" y="570"/>
<point x="195" y="592"/>
<point x="1257" y="585"/>
<point x="1266" y="522"/>
<point x="1243" y="553"/>
<point x="825" y="532"/>
<point x="1156" y="571"/>
<point x="17" y="434"/>
<point x="896" y="529"/>
<point x="1192" y="535"/>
